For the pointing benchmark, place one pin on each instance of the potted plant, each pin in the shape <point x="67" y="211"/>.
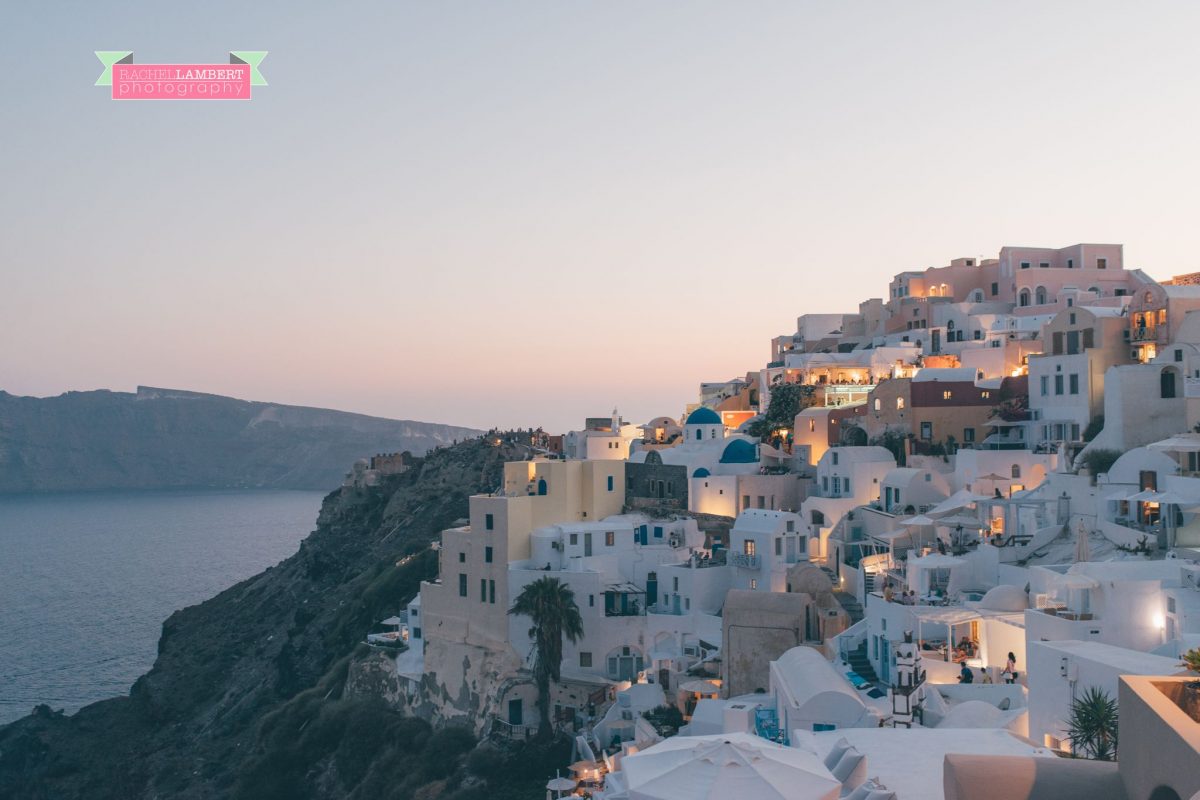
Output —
<point x="1189" y="699"/>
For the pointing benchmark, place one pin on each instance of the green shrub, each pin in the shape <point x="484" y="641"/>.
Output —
<point x="1100" y="461"/>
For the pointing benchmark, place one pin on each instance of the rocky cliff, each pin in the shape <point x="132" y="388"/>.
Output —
<point x="246" y="698"/>
<point x="164" y="438"/>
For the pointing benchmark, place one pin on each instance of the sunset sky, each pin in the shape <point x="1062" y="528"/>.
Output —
<point x="528" y="213"/>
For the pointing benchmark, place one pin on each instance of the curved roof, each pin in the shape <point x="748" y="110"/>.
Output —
<point x="739" y="451"/>
<point x="808" y="676"/>
<point x="701" y="473"/>
<point x="1005" y="597"/>
<point x="703" y="416"/>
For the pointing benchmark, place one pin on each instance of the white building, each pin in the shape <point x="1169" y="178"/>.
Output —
<point x="762" y="546"/>
<point x="1061" y="671"/>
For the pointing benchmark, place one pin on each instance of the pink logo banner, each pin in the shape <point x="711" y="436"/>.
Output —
<point x="181" y="81"/>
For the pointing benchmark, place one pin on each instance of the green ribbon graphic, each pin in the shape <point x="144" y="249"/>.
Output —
<point x="253" y="58"/>
<point x="110" y="57"/>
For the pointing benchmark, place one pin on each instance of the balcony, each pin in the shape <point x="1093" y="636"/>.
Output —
<point x="744" y="560"/>
<point x="1146" y="333"/>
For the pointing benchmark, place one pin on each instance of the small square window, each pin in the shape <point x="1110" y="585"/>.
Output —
<point x="585" y="659"/>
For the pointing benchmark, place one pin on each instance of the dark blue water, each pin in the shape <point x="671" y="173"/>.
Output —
<point x="86" y="580"/>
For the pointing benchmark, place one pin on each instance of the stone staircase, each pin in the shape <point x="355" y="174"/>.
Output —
<point x="862" y="665"/>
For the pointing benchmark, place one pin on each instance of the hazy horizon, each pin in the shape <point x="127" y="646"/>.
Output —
<point x="496" y="215"/>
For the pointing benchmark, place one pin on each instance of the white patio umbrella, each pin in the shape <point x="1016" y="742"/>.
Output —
<point x="732" y="765"/>
<point x="1083" y="548"/>
<point x="919" y="521"/>
<point x="993" y="478"/>
<point x="560" y="785"/>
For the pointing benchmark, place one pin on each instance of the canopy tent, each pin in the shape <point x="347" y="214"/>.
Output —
<point x="930" y="563"/>
<point x="392" y="622"/>
<point x="1146" y="496"/>
<point x="725" y="766"/>
<point x="917" y="521"/>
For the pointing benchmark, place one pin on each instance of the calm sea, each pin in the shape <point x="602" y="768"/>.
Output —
<point x="86" y="580"/>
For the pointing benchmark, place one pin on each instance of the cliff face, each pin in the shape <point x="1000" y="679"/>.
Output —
<point x="246" y="696"/>
<point x="162" y="438"/>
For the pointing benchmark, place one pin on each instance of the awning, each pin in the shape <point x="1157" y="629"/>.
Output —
<point x="935" y="561"/>
<point x="955" y="520"/>
<point x="889" y="536"/>
<point x="392" y="621"/>
<point x="918" y="520"/>
<point x="959" y="500"/>
<point x="701" y="687"/>
<point x="1078" y="580"/>
<point x="944" y="615"/>
<point x="1186" y="443"/>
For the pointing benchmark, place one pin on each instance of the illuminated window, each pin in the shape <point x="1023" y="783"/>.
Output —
<point x="946" y="395"/>
<point x="748" y="547"/>
<point x="899" y="403"/>
<point x="877" y="403"/>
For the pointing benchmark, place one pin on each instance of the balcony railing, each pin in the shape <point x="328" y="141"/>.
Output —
<point x="744" y="560"/>
<point x="1144" y="334"/>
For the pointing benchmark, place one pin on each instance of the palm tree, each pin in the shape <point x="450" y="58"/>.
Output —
<point x="1093" y="726"/>
<point x="550" y="604"/>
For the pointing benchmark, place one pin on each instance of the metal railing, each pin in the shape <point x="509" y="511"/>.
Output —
<point x="743" y="560"/>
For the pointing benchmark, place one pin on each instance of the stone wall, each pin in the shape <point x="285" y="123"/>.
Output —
<point x="664" y="485"/>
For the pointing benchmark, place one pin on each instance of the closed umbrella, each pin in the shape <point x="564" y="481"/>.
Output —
<point x="1083" y="548"/>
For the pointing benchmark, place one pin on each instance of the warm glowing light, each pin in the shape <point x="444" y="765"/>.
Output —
<point x="1159" y="621"/>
